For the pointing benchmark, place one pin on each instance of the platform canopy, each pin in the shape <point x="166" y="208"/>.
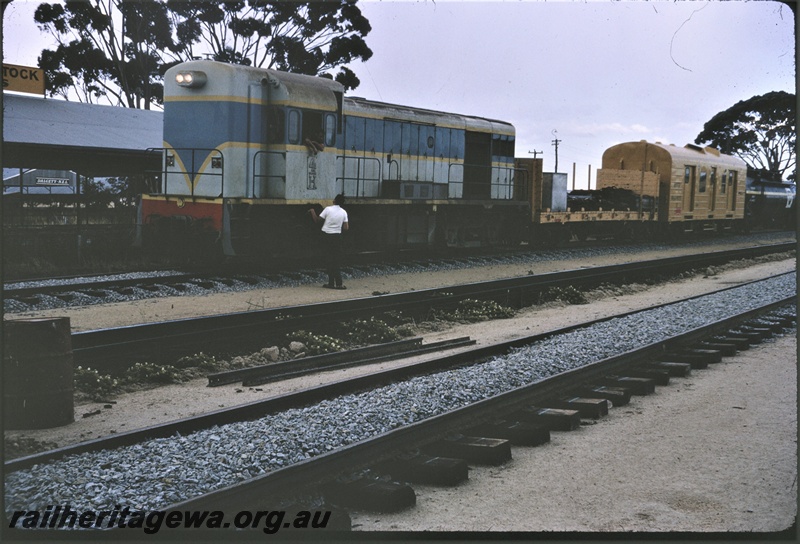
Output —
<point x="86" y="138"/>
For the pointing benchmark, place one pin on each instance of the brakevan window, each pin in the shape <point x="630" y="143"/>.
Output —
<point x="701" y="187"/>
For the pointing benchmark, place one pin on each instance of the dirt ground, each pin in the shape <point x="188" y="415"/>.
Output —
<point x="712" y="452"/>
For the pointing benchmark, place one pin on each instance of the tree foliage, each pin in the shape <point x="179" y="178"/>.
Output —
<point x="116" y="51"/>
<point x="309" y="38"/>
<point x="107" y="50"/>
<point x="760" y="130"/>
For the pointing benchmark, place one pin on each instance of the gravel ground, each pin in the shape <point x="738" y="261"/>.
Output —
<point x="147" y="407"/>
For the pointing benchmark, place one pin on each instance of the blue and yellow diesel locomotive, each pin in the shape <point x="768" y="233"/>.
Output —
<point x="248" y="150"/>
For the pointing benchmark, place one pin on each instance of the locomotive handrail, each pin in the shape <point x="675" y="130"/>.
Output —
<point x="266" y="176"/>
<point x="397" y="164"/>
<point x="359" y="162"/>
<point x="525" y="185"/>
<point x="508" y="185"/>
<point x="156" y="176"/>
<point x="190" y="172"/>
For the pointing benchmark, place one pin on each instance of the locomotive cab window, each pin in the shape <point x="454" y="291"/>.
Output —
<point x="502" y="146"/>
<point x="294" y="127"/>
<point x="330" y="129"/>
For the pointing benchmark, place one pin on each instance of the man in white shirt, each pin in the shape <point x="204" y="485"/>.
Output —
<point x="334" y="223"/>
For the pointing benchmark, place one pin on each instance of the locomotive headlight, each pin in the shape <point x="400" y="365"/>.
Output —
<point x="192" y="79"/>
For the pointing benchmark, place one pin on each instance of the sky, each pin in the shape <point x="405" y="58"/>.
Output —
<point x="589" y="74"/>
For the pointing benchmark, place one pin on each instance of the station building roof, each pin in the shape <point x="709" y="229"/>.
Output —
<point x="86" y="138"/>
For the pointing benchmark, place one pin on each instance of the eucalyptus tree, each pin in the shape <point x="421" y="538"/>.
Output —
<point x="760" y="130"/>
<point x="312" y="38"/>
<point x="116" y="51"/>
<point x="107" y="50"/>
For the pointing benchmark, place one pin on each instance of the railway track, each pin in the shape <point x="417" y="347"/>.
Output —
<point x="108" y="288"/>
<point x="481" y="417"/>
<point x="114" y="350"/>
<point x="65" y="292"/>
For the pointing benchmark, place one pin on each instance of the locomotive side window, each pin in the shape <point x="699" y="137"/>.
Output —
<point x="294" y="127"/>
<point x="701" y="187"/>
<point x="330" y="129"/>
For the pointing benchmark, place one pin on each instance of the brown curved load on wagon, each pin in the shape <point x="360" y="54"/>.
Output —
<point x="697" y="187"/>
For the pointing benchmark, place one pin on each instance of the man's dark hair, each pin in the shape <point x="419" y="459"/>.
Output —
<point x="339" y="200"/>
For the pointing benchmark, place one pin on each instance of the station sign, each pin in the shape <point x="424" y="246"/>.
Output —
<point x="23" y="79"/>
<point x="53" y="181"/>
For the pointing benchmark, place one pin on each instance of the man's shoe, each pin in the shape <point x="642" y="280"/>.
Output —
<point x="340" y="287"/>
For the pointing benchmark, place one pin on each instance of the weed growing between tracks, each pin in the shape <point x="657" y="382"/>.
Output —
<point x="473" y="311"/>
<point x="93" y="386"/>
<point x="90" y="385"/>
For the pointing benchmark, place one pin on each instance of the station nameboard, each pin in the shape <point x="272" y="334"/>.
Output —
<point x="23" y="79"/>
<point x="53" y="181"/>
